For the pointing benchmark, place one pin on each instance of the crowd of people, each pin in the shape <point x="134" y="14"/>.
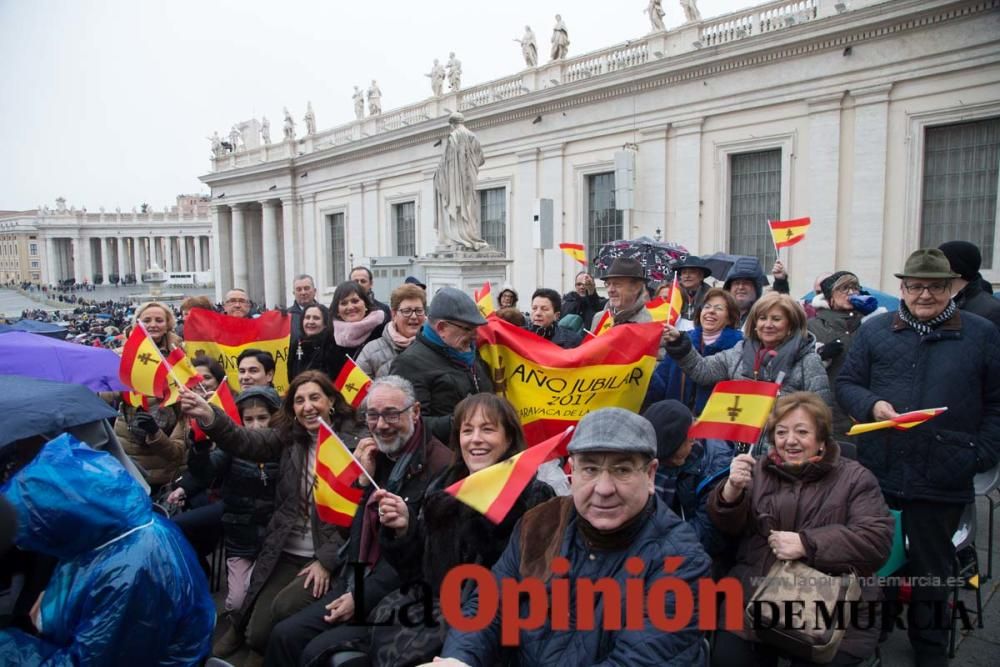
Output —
<point x="633" y="485"/>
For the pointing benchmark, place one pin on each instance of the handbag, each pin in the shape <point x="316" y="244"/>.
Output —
<point x="802" y="611"/>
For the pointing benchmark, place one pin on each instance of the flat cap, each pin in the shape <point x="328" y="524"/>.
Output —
<point x="454" y="304"/>
<point x="613" y="431"/>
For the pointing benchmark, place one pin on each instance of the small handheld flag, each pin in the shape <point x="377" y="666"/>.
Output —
<point x="221" y="398"/>
<point x="493" y="491"/>
<point x="352" y="383"/>
<point x="604" y="324"/>
<point x="575" y="251"/>
<point x="787" y="233"/>
<point x="336" y="498"/>
<point x="484" y="300"/>
<point x="737" y="410"/>
<point x="902" y="422"/>
<point x="667" y="309"/>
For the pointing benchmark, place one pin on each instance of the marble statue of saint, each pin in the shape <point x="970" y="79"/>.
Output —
<point x="289" y="128"/>
<point x="359" y="103"/>
<point x="454" y="72"/>
<point x="455" y="190"/>
<point x="265" y="130"/>
<point x="437" y="78"/>
<point x="691" y="13"/>
<point x="234" y="138"/>
<point x="528" y="47"/>
<point x="374" y="99"/>
<point x="216" y="144"/>
<point x="560" y="39"/>
<point x="655" y="11"/>
<point x="310" y="119"/>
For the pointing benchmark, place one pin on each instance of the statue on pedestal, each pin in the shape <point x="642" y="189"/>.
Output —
<point x="235" y="138"/>
<point x="265" y="130"/>
<point x="289" y="127"/>
<point x="310" y="119"/>
<point x="655" y="11"/>
<point x="691" y="13"/>
<point x="374" y="99"/>
<point x="528" y="47"/>
<point x="455" y="190"/>
<point x="216" y="144"/>
<point x="454" y="72"/>
<point x="437" y="78"/>
<point x="359" y="103"/>
<point x="560" y="39"/>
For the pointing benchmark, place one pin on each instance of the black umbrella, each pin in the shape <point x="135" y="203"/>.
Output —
<point x="656" y="257"/>
<point x="42" y="407"/>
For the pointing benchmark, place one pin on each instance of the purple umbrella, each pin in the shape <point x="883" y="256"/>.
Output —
<point x="31" y="355"/>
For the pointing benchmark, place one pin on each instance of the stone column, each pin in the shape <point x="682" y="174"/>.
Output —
<point x="221" y="248"/>
<point x="426" y="213"/>
<point x="684" y="216"/>
<point x="120" y="257"/>
<point x="77" y="257"/>
<point x="197" y="254"/>
<point x="289" y="239"/>
<point x="240" y="275"/>
<point x="184" y="252"/>
<point x="307" y="205"/>
<point x="137" y="258"/>
<point x="355" y="224"/>
<point x="51" y="275"/>
<point x="871" y="138"/>
<point x="269" y="241"/>
<point x="105" y="244"/>
<point x="371" y="224"/>
<point x="823" y="158"/>
<point x="168" y="254"/>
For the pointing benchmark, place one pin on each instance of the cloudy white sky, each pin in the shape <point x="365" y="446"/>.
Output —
<point x="109" y="102"/>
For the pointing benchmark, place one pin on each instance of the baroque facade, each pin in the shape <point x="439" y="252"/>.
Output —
<point x="50" y="246"/>
<point x="880" y="120"/>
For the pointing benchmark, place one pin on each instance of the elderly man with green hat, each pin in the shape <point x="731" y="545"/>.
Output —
<point x="612" y="514"/>
<point x="927" y="355"/>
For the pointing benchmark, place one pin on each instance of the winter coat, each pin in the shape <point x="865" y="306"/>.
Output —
<point x="669" y="381"/>
<point x="162" y="456"/>
<point x="805" y="374"/>
<point x="377" y="355"/>
<point x="557" y="335"/>
<point x="536" y="537"/>
<point x="292" y="453"/>
<point x="584" y="306"/>
<point x="974" y="299"/>
<point x="440" y="382"/>
<point x="691" y="302"/>
<point x="955" y="366"/>
<point x="838" y="511"/>
<point x="296" y="311"/>
<point x="127" y="589"/>
<point x="319" y="353"/>
<point x="685" y="489"/>
<point x="835" y="325"/>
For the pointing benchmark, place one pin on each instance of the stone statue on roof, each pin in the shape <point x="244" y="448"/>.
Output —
<point x="560" y="39"/>
<point x="691" y="13"/>
<point x="528" y="47"/>
<point x="456" y="196"/>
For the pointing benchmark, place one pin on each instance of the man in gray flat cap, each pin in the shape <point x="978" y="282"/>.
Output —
<point x="442" y="362"/>
<point x="612" y="515"/>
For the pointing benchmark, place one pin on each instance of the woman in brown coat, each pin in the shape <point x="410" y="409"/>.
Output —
<point x="802" y="501"/>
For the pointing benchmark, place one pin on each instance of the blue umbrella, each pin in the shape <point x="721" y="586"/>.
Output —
<point x="30" y="355"/>
<point x="886" y="300"/>
<point x="42" y="407"/>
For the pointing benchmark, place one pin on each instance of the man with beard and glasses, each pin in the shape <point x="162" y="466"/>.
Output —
<point x="403" y="457"/>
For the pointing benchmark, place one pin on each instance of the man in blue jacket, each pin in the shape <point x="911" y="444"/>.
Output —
<point x="612" y="515"/>
<point x="927" y="355"/>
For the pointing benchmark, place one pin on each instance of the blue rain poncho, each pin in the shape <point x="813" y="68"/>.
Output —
<point x="127" y="590"/>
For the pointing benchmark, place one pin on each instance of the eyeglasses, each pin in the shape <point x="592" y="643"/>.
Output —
<point x="621" y="472"/>
<point x="464" y="327"/>
<point x="915" y="289"/>
<point x="390" y="416"/>
<point x="714" y="309"/>
<point x="848" y="288"/>
<point x="410" y="312"/>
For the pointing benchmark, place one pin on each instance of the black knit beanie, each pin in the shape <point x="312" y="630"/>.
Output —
<point x="964" y="257"/>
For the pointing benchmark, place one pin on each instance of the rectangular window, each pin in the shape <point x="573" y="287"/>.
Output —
<point x="754" y="198"/>
<point x="32" y="248"/>
<point x="405" y="227"/>
<point x="34" y="264"/>
<point x="336" y="249"/>
<point x="493" y="215"/>
<point x="961" y="163"/>
<point x="604" y="221"/>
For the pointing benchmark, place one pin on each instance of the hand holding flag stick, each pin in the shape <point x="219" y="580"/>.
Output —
<point x="351" y="454"/>
<point x="901" y="421"/>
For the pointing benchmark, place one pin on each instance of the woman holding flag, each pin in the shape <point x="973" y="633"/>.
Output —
<point x="152" y="435"/>
<point x="777" y="348"/>
<point x="299" y="552"/>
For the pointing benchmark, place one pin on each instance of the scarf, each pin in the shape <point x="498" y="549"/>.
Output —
<point x="626" y="314"/>
<point x="400" y="341"/>
<point x="925" y="327"/>
<point x="369" y="550"/>
<point x="353" y="334"/>
<point x="466" y="359"/>
<point x="622" y="536"/>
<point x="546" y="332"/>
<point x="760" y="363"/>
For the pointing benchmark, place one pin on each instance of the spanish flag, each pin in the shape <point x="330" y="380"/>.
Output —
<point x="223" y="399"/>
<point x="180" y="371"/>
<point x="222" y="338"/>
<point x="352" y="383"/>
<point x="552" y="388"/>
<point x="142" y="367"/>
<point x="135" y="400"/>
<point x="788" y="232"/>
<point x="575" y="251"/>
<point x="336" y="470"/>
<point x="737" y="410"/>
<point x="493" y="491"/>
<point x="902" y="422"/>
<point x="484" y="300"/>
<point x="667" y="309"/>
<point x="604" y="324"/>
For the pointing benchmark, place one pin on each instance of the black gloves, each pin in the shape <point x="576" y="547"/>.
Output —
<point x="146" y="422"/>
<point x="831" y="350"/>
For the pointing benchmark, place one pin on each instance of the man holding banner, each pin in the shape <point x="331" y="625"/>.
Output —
<point x="926" y="355"/>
